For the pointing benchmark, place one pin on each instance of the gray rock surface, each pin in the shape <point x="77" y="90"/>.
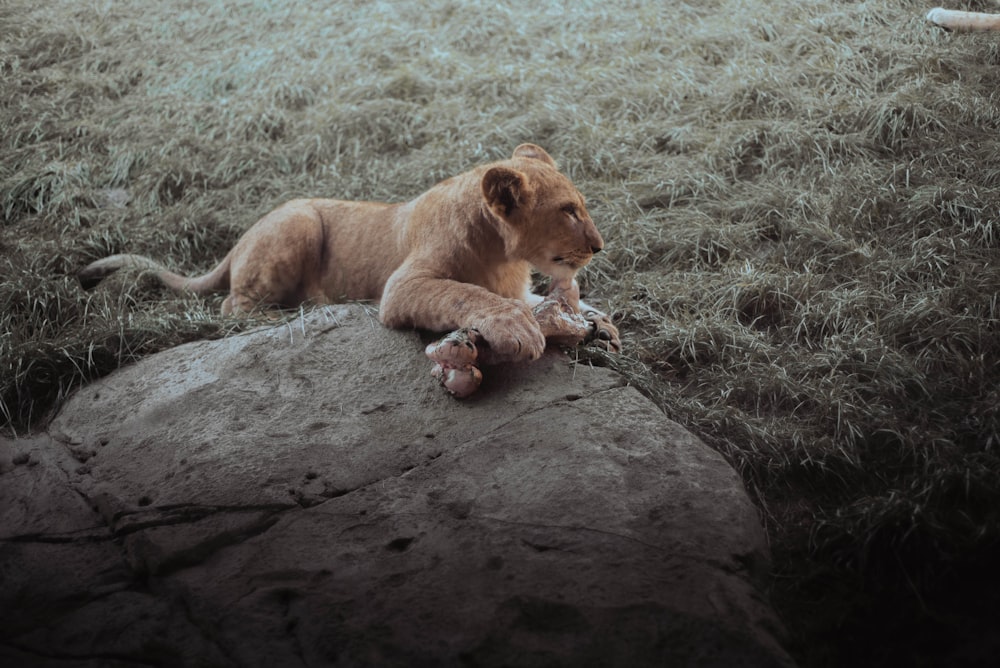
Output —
<point x="306" y="495"/>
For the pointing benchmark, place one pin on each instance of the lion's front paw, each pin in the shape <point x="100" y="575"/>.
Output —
<point x="512" y="333"/>
<point x="603" y="334"/>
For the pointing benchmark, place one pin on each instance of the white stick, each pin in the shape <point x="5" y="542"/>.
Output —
<point x="964" y="21"/>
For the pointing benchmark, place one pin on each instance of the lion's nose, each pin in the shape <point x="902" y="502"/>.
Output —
<point x="596" y="249"/>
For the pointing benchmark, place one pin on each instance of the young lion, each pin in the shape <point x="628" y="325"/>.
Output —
<point x="459" y="255"/>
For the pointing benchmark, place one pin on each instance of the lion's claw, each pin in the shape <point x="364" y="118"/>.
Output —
<point x="603" y="334"/>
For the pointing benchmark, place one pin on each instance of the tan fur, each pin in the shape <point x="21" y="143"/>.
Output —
<point x="459" y="255"/>
<point x="964" y="21"/>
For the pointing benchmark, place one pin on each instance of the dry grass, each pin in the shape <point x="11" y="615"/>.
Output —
<point x="801" y="203"/>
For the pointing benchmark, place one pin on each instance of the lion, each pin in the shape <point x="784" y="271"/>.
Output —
<point x="953" y="19"/>
<point x="458" y="256"/>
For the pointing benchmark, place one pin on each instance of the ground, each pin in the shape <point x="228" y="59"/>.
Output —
<point x="799" y="200"/>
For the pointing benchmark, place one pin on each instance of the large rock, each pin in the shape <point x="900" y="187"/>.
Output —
<point x="305" y="495"/>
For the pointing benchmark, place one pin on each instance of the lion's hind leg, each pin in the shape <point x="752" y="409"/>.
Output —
<point x="277" y="263"/>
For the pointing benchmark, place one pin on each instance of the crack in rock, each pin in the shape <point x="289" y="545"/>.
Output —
<point x="166" y="547"/>
<point x="96" y="534"/>
<point x="129" y="522"/>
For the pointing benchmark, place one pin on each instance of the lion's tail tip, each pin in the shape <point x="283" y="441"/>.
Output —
<point x="96" y="271"/>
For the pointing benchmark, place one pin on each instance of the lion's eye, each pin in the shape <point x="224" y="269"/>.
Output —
<point x="571" y="210"/>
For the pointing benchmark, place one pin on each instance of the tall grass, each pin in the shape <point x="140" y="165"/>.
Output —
<point x="801" y="203"/>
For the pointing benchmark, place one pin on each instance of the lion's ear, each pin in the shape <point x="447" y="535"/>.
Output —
<point x="534" y="152"/>
<point x="506" y="190"/>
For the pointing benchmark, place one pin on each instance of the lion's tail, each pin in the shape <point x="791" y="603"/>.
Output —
<point x="217" y="279"/>
<point x="958" y="20"/>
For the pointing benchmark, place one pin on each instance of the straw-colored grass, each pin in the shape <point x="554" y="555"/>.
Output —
<point x="800" y="199"/>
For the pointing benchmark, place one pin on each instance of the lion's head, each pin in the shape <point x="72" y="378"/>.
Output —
<point x="545" y="219"/>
